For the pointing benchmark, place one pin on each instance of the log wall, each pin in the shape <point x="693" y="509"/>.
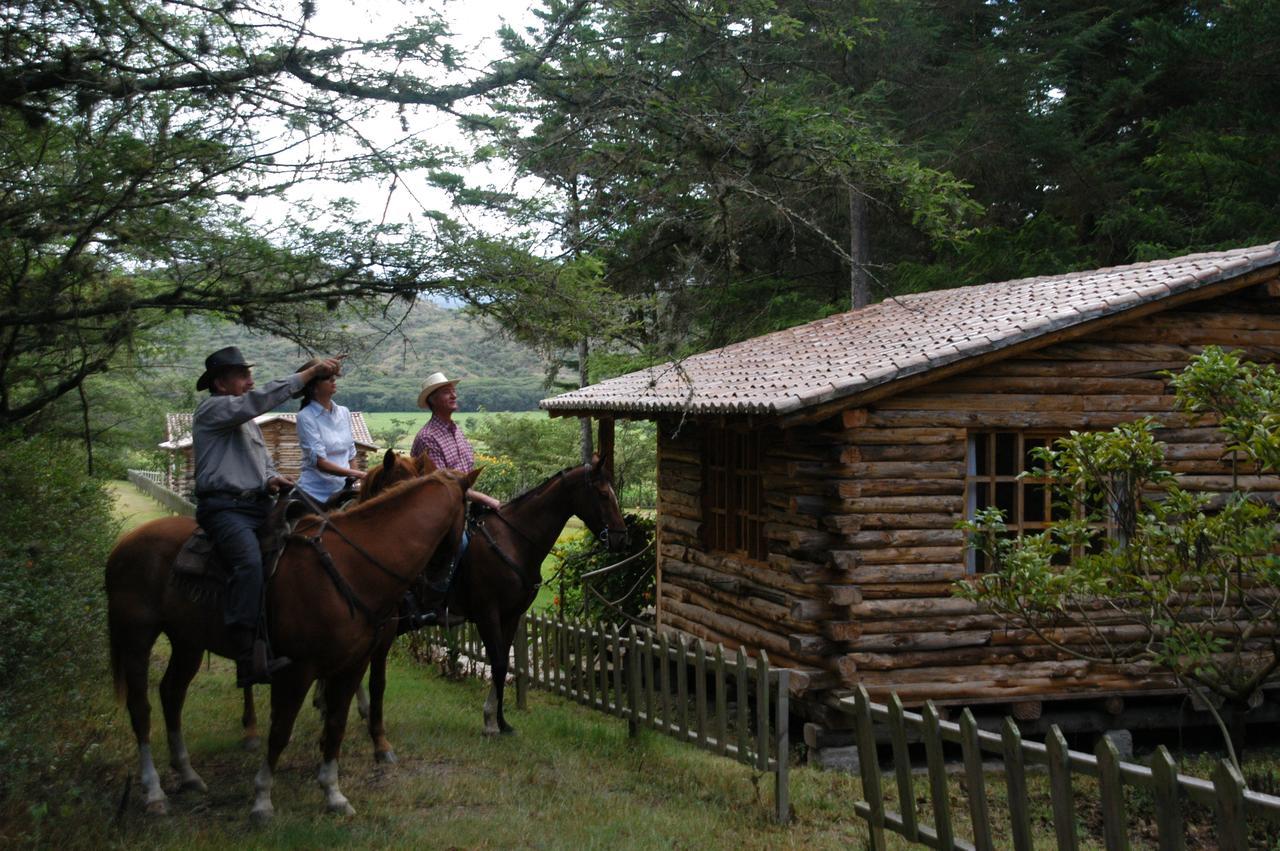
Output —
<point x="862" y="508"/>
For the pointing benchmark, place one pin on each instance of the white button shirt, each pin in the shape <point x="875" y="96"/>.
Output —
<point x="324" y="434"/>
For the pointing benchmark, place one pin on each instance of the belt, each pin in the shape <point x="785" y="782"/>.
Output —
<point x="252" y="494"/>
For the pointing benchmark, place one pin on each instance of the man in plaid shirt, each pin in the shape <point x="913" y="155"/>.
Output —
<point x="441" y="439"/>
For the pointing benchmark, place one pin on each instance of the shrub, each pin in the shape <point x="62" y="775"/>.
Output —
<point x="630" y="588"/>
<point x="56" y="528"/>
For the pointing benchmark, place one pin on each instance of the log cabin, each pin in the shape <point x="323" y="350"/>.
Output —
<point x="279" y="430"/>
<point x="810" y="481"/>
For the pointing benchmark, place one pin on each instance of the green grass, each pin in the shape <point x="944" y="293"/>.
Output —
<point x="132" y="506"/>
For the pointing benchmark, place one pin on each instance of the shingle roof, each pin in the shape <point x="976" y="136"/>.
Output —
<point x="178" y="428"/>
<point x="853" y="352"/>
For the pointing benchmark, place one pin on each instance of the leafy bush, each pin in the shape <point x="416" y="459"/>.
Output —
<point x="631" y="587"/>
<point x="56" y="529"/>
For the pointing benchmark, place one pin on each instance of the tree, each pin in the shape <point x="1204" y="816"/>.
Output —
<point x="1184" y="582"/>
<point x="135" y="133"/>
<point x="705" y="154"/>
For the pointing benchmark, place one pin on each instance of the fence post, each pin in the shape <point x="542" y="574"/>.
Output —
<point x="869" y="766"/>
<point x="700" y="691"/>
<point x="1111" y="790"/>
<point x="634" y="670"/>
<point x="938" y="792"/>
<point x="722" y="704"/>
<point x="762" y="711"/>
<point x="1168" y="806"/>
<point x="522" y="665"/>
<point x="901" y="768"/>
<point x="979" y="813"/>
<point x="782" y="777"/>
<point x="1015" y="774"/>
<point x="1064" y="811"/>
<point x="618" y="700"/>
<point x="1229" y="785"/>
<point x="744" y="729"/>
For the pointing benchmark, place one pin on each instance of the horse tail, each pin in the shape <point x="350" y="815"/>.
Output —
<point x="117" y="658"/>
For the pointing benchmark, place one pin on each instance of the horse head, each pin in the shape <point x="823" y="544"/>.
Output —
<point x="395" y="468"/>
<point x="597" y="505"/>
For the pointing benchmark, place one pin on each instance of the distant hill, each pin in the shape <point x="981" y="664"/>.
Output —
<point x="384" y="373"/>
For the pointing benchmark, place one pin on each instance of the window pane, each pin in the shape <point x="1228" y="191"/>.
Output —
<point x="1029" y="461"/>
<point x="982" y="497"/>
<point x="1007" y="454"/>
<point x="982" y="454"/>
<point x="1034" y="508"/>
<point x="1006" y="500"/>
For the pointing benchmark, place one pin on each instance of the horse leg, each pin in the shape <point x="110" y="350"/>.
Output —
<point x="382" y="750"/>
<point x="287" y="693"/>
<point x="340" y="688"/>
<point x="497" y="645"/>
<point x="131" y="657"/>
<point x="363" y="702"/>
<point x="249" y="738"/>
<point x="184" y="662"/>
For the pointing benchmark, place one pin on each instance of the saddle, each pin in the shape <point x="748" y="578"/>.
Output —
<point x="201" y="573"/>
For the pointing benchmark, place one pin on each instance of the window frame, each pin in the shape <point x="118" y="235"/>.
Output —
<point x="992" y="479"/>
<point x="733" y="506"/>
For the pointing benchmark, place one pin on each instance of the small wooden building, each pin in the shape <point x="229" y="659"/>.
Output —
<point x="810" y="480"/>
<point x="279" y="430"/>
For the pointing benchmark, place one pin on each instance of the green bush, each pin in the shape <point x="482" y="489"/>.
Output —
<point x="630" y="588"/>
<point x="56" y="528"/>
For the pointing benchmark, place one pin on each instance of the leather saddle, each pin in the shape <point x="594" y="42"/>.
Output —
<point x="202" y="573"/>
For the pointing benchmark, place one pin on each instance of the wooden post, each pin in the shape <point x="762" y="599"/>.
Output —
<point x="869" y="767"/>
<point x="938" y="791"/>
<point x="1064" y="811"/>
<point x="782" y="747"/>
<point x="744" y="733"/>
<point x="617" y="672"/>
<point x="979" y="813"/>
<point x="700" y="692"/>
<point x="634" y="672"/>
<point x="605" y="448"/>
<point x="762" y="712"/>
<point x="682" y="686"/>
<point x="1111" y="791"/>
<point x="722" y="704"/>
<point x="1164" y="773"/>
<point x="1015" y="774"/>
<point x="901" y="767"/>
<point x="664" y="681"/>
<point x="1229" y="786"/>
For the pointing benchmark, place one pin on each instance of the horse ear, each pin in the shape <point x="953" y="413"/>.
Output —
<point x="425" y="465"/>
<point x="470" y="478"/>
<point x="389" y="459"/>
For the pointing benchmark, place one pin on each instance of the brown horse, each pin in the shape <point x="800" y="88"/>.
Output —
<point x="327" y="624"/>
<point x="395" y="468"/>
<point x="500" y="574"/>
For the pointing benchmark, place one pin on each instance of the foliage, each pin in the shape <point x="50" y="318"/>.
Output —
<point x="139" y="134"/>
<point x="521" y="451"/>
<point x="630" y="588"/>
<point x="56" y="529"/>
<point x="1182" y="580"/>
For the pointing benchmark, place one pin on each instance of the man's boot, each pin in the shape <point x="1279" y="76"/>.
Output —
<point x="254" y="665"/>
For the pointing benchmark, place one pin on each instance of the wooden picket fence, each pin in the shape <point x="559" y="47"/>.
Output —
<point x="658" y="682"/>
<point x="1233" y="805"/>
<point x="152" y="484"/>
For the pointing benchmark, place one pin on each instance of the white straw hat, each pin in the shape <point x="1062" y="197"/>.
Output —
<point x="434" y="382"/>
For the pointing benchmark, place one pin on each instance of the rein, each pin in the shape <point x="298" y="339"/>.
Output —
<point x="344" y="588"/>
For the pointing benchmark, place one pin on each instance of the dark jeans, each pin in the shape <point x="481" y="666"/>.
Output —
<point x="233" y="525"/>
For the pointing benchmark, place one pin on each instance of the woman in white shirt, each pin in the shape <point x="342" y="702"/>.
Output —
<point x="324" y="434"/>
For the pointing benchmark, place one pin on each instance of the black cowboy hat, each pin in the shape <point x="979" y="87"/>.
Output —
<point x="218" y="361"/>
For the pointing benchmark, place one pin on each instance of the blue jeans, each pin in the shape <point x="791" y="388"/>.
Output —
<point x="233" y="525"/>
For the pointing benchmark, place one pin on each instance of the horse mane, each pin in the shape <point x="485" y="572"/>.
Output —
<point x="378" y="499"/>
<point x="545" y="483"/>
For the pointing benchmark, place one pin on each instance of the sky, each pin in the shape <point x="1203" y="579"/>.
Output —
<point x="475" y="24"/>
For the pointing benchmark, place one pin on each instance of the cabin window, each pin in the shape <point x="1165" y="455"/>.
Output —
<point x="733" y="493"/>
<point x="996" y="461"/>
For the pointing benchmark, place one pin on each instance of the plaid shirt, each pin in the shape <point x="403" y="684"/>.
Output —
<point x="445" y="444"/>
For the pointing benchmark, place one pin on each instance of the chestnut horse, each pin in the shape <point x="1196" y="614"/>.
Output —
<point x="500" y="573"/>
<point x="327" y="622"/>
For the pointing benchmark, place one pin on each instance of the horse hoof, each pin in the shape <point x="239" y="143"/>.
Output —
<point x="387" y="757"/>
<point x="158" y="808"/>
<point x="508" y="730"/>
<point x="261" y="817"/>
<point x="343" y="808"/>
<point x="195" y="784"/>
<point x="364" y="713"/>
<point x="250" y="744"/>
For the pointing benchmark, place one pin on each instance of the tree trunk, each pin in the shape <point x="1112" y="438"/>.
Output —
<point x="859" y="250"/>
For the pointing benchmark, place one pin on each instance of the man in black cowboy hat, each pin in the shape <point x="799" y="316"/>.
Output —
<point x="234" y="480"/>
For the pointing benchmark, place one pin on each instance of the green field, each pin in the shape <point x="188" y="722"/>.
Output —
<point x="380" y="421"/>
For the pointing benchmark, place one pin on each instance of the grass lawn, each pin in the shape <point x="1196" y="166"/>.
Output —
<point x="132" y="506"/>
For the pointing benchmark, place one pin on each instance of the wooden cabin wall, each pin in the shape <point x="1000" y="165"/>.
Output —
<point x="863" y="549"/>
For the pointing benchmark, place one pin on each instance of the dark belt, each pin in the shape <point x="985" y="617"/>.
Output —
<point x="251" y="495"/>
